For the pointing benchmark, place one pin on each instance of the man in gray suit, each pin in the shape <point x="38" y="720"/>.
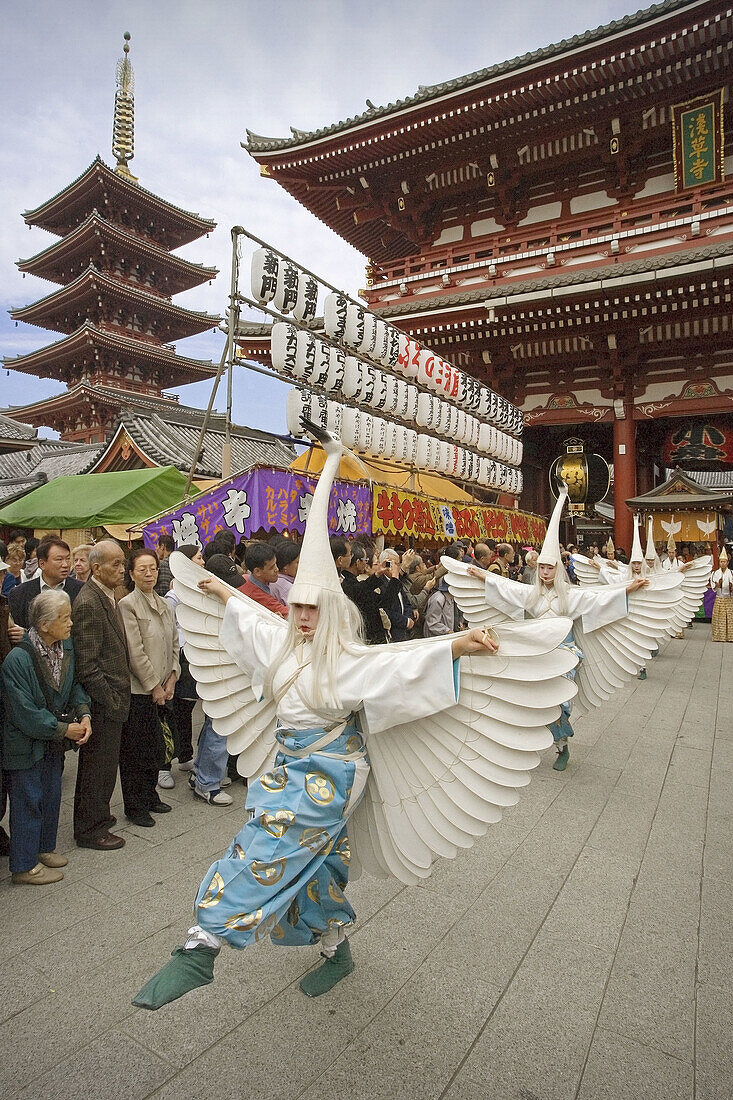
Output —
<point x="102" y="667"/>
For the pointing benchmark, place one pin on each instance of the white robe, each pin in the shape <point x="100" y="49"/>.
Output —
<point x="671" y="566"/>
<point x="594" y="608"/>
<point x="390" y="685"/>
<point x="726" y="588"/>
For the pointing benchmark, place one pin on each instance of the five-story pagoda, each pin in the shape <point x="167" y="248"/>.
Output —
<point x="117" y="275"/>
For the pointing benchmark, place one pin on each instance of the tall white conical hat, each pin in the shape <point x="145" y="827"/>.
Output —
<point x="317" y="571"/>
<point x="651" y="550"/>
<point x="671" y="544"/>
<point x="609" y="547"/>
<point x="636" y="554"/>
<point x="550" y="552"/>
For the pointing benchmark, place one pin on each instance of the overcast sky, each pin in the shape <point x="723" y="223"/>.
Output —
<point x="204" y="71"/>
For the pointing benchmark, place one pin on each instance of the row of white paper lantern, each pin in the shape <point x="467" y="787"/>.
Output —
<point x="280" y="282"/>
<point x="302" y="355"/>
<point x="348" y="323"/>
<point x="379" y="438"/>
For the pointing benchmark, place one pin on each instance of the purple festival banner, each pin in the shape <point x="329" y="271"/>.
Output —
<point x="263" y="498"/>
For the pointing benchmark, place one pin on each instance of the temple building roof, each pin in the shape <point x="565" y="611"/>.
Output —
<point x="681" y="492"/>
<point x="170" y="438"/>
<point x="92" y="190"/>
<point x="426" y="94"/>
<point x="88" y="295"/>
<point x="86" y="245"/>
<point x="46" y="460"/>
<point x="79" y="352"/>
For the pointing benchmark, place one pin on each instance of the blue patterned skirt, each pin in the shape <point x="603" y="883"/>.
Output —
<point x="285" y="872"/>
<point x="562" y="728"/>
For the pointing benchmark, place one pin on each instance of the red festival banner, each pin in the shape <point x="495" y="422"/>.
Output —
<point x="405" y="514"/>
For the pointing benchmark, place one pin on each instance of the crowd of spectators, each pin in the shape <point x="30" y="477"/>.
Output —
<point x="93" y="661"/>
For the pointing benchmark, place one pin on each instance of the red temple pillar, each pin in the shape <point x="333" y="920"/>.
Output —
<point x="624" y="475"/>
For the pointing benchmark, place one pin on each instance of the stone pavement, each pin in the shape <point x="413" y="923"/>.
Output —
<point x="582" y="949"/>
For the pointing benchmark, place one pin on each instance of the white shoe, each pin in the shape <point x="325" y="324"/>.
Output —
<point x="187" y="766"/>
<point x="165" y="779"/>
<point x="226" y="781"/>
<point x="214" y="798"/>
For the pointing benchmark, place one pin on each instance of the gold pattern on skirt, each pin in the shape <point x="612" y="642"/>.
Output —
<point x="213" y="893"/>
<point x="722" y="620"/>
<point x="277" y="824"/>
<point x="316" y="839"/>
<point x="276" y="780"/>
<point x="336" y="922"/>
<point x="313" y="891"/>
<point x="267" y="926"/>
<point x="335" y="893"/>
<point x="343" y="851"/>
<point x="244" y="922"/>
<point x="293" y="914"/>
<point x="267" y="874"/>
<point x="319" y="788"/>
<point x="238" y="851"/>
<point x="278" y="932"/>
<point x="354" y="743"/>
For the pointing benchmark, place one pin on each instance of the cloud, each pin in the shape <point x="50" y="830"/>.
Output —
<point x="204" y="73"/>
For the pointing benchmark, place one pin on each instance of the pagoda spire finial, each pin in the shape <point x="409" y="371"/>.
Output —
<point x="123" y="132"/>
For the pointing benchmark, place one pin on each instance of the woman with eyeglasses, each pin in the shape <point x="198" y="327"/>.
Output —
<point x="152" y="642"/>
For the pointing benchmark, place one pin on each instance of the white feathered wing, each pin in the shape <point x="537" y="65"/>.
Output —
<point x="613" y="653"/>
<point x="436" y="784"/>
<point x="228" y="696"/>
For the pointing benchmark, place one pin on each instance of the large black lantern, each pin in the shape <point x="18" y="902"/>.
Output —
<point x="586" y="476"/>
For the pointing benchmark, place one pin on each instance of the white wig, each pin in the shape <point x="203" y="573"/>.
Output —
<point x="339" y="630"/>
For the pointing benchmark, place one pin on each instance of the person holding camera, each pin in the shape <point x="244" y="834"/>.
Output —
<point x="45" y="709"/>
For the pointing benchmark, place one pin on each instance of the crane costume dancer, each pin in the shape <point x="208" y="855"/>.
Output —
<point x="615" y="626"/>
<point x="690" y="593"/>
<point x="722" y="582"/>
<point x="415" y="756"/>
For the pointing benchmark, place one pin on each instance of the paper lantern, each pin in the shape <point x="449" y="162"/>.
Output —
<point x="305" y="355"/>
<point x="304" y="404"/>
<point x="379" y="394"/>
<point x="376" y="445"/>
<point x="354" y="330"/>
<point x="263" y="275"/>
<point x="283" y="347"/>
<point x="391" y="441"/>
<point x="409" y="453"/>
<point x="426" y="369"/>
<point x="412" y="402"/>
<point x="348" y="428"/>
<point x="334" y="417"/>
<point x="369" y="384"/>
<point x="484" y="403"/>
<point x="424" y="450"/>
<point x="393" y="347"/>
<point x="352" y="383"/>
<point x="337" y="360"/>
<point x="381" y="341"/>
<point x="364" y="432"/>
<point x="322" y="368"/>
<point x="286" y="289"/>
<point x="408" y="361"/>
<point x="427" y="410"/>
<point x="334" y="315"/>
<point x="392" y="393"/>
<point x="369" y="339"/>
<point x="402" y="393"/>
<point x="306" y="301"/>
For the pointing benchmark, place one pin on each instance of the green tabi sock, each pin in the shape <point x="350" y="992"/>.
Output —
<point x="562" y="759"/>
<point x="186" y="970"/>
<point x="329" y="973"/>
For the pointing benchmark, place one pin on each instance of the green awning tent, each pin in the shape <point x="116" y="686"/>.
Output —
<point x="96" y="500"/>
